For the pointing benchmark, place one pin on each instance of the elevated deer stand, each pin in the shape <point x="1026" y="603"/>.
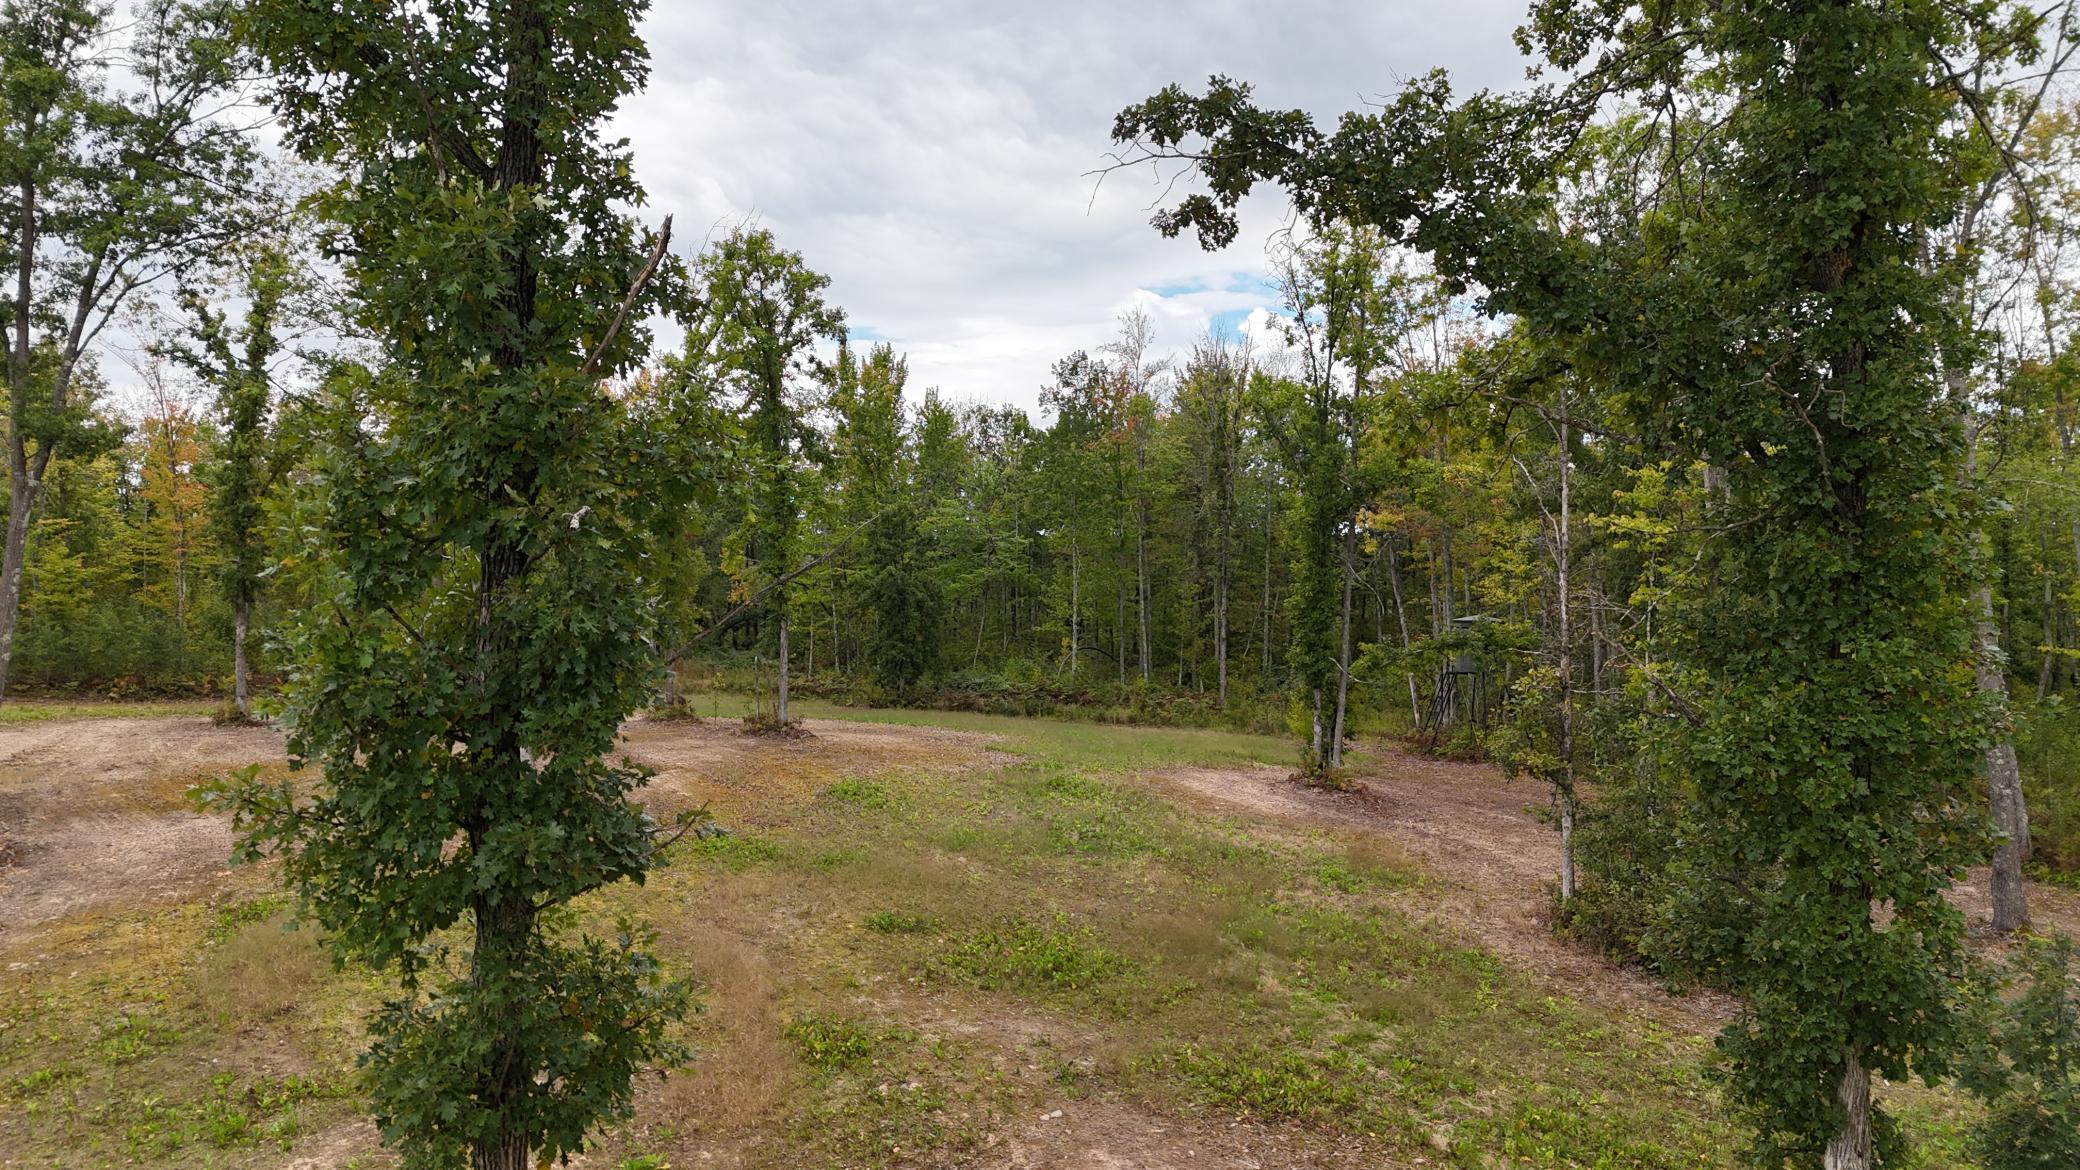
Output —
<point x="1461" y="693"/>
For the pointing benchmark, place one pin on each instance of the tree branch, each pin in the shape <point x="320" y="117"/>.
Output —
<point x="628" y="303"/>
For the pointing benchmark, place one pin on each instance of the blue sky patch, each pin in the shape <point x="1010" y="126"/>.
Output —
<point x="1178" y="288"/>
<point x="1228" y="324"/>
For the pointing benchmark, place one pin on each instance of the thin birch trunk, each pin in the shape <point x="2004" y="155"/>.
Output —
<point x="1075" y="605"/>
<point x="241" y="697"/>
<point x="1565" y="778"/>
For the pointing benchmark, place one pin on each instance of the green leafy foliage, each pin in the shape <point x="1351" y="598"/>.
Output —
<point x="104" y="189"/>
<point x="1779" y="326"/>
<point x="472" y="646"/>
<point x="2026" y="1064"/>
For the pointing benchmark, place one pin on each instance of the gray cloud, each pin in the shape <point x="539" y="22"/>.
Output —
<point x="932" y="157"/>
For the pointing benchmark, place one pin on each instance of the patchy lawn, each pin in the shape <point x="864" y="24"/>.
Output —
<point x="929" y="940"/>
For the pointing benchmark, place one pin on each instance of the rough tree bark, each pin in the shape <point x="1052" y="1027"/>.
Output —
<point x="2003" y="773"/>
<point x="1851" y="1148"/>
<point x="2003" y="783"/>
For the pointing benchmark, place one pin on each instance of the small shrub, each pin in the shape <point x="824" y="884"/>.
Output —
<point x="2027" y="1068"/>
<point x="1625" y="844"/>
<point x="679" y="710"/>
<point x="902" y="922"/>
<point x="1014" y="953"/>
<point x="227" y="714"/>
<point x="863" y="793"/>
<point x="830" y="1044"/>
<point x="768" y="725"/>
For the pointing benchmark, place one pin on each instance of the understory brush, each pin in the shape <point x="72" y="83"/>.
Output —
<point x="2047" y="746"/>
<point x="1017" y="690"/>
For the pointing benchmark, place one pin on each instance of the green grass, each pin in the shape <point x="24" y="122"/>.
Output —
<point x="199" y="1034"/>
<point x="19" y="711"/>
<point x="896" y="967"/>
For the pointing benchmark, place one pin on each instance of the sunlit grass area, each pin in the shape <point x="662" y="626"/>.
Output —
<point x="39" y="711"/>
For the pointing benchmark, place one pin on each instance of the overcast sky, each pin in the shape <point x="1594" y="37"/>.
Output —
<point x="931" y="156"/>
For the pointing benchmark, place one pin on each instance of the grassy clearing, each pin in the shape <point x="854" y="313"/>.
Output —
<point x="19" y="711"/>
<point x="201" y="1034"/>
<point x="902" y="968"/>
<point x="946" y="955"/>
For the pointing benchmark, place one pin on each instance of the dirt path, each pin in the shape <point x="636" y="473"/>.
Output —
<point x="1495" y="864"/>
<point x="754" y="779"/>
<point x="1491" y="863"/>
<point x="92" y="812"/>
<point x="91" y="815"/>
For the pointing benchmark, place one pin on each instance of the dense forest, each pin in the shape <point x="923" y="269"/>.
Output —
<point x="1691" y="431"/>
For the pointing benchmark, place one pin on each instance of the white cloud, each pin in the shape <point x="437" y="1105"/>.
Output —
<point x="933" y="157"/>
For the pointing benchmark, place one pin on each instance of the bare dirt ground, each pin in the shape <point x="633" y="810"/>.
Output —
<point x="91" y="815"/>
<point x="1491" y="863"/>
<point x="1114" y="1135"/>
<point x="92" y="811"/>
<point x="1495" y="863"/>
<point x="750" y="779"/>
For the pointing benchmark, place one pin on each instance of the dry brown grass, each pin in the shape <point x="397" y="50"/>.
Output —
<point x="1371" y="851"/>
<point x="745" y="1068"/>
<point x="260" y="973"/>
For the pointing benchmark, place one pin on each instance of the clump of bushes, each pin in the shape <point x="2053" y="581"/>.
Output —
<point x="2026" y="1066"/>
<point x="1034" y="691"/>
<point x="2047" y="745"/>
<point x="765" y="723"/>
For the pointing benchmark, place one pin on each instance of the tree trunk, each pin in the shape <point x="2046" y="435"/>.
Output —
<point x="1564" y="778"/>
<point x="1119" y="631"/>
<point x="2003" y="774"/>
<point x="1141" y="588"/>
<point x="1075" y="606"/>
<point x="2003" y="783"/>
<point x="1316" y="757"/>
<point x="23" y="486"/>
<point x="241" y="697"/>
<point x="1850" y="1149"/>
<point x="1266" y="606"/>
<point x="1415" y="698"/>
<point x="780" y="704"/>
<point x="1343" y="660"/>
<point x="502" y="937"/>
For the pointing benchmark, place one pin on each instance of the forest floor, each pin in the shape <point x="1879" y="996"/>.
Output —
<point x="928" y="940"/>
